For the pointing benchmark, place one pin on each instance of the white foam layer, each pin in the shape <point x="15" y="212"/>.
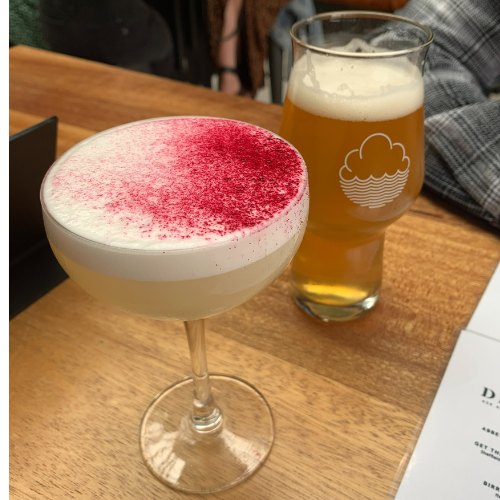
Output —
<point x="355" y="89"/>
<point x="174" y="260"/>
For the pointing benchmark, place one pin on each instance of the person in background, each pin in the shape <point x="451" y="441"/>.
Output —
<point x="462" y="122"/>
<point x="227" y="58"/>
<point x="239" y="31"/>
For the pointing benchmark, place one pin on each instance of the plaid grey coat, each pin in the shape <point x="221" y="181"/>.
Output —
<point x="462" y="125"/>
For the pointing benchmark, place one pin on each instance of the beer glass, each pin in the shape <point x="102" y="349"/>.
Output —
<point x="355" y="111"/>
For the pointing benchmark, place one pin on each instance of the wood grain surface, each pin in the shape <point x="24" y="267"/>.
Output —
<point x="348" y="399"/>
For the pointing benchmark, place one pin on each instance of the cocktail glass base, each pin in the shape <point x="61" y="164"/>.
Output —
<point x="206" y="462"/>
<point x="328" y="312"/>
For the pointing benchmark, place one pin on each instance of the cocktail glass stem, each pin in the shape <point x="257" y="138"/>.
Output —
<point x="197" y="446"/>
<point x="206" y="416"/>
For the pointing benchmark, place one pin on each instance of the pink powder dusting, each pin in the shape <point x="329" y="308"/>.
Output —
<point x="189" y="177"/>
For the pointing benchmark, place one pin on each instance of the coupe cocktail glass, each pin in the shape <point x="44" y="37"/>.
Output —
<point x="181" y="219"/>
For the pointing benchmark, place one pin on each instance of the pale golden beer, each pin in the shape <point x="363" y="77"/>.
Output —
<point x="358" y="123"/>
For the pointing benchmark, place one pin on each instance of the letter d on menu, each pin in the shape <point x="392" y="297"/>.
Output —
<point x="488" y="393"/>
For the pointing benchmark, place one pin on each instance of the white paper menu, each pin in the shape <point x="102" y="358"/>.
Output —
<point x="457" y="456"/>
<point x="486" y="317"/>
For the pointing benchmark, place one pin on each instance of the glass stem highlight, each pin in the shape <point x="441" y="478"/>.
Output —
<point x="206" y="417"/>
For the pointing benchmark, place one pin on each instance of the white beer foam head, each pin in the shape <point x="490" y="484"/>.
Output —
<point x="356" y="89"/>
<point x="129" y="202"/>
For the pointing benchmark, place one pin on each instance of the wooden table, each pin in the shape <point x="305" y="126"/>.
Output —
<point x="349" y="399"/>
